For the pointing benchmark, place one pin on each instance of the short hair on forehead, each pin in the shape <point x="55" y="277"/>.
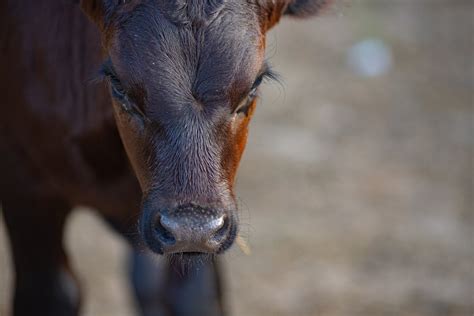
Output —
<point x="191" y="11"/>
<point x="187" y="61"/>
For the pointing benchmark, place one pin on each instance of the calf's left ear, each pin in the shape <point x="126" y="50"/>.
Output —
<point x="306" y="8"/>
<point x="274" y="9"/>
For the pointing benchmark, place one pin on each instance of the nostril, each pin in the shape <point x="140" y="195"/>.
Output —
<point x="165" y="236"/>
<point x="221" y="234"/>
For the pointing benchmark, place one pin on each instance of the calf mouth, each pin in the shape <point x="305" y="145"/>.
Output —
<point x="186" y="263"/>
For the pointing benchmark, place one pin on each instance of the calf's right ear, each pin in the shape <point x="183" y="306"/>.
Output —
<point x="99" y="11"/>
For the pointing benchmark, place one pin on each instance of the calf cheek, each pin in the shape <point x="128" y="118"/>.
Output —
<point x="234" y="150"/>
<point x="135" y="142"/>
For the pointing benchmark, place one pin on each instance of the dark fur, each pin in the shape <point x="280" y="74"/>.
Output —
<point x="306" y="8"/>
<point x="178" y="72"/>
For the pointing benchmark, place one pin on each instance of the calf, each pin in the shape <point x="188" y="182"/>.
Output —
<point x="160" y="154"/>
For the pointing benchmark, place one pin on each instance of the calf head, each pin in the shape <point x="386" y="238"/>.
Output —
<point x="184" y="77"/>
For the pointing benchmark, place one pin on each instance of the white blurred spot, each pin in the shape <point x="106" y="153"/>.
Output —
<point x="370" y="58"/>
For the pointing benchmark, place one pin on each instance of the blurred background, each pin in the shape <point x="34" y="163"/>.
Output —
<point x="356" y="186"/>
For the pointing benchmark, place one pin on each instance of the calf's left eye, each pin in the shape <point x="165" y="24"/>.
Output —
<point x="247" y="102"/>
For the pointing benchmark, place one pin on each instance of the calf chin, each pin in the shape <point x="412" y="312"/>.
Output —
<point x="186" y="263"/>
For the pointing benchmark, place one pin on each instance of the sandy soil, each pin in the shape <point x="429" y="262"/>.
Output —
<point x="355" y="192"/>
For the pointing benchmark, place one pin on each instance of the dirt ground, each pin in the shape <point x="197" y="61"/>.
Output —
<point x="355" y="191"/>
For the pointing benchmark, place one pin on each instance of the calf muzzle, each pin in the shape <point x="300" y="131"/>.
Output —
<point x="190" y="229"/>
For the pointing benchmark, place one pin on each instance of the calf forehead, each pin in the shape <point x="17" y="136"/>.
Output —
<point x="198" y="53"/>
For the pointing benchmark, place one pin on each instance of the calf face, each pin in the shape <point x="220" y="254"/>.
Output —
<point x="184" y="77"/>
